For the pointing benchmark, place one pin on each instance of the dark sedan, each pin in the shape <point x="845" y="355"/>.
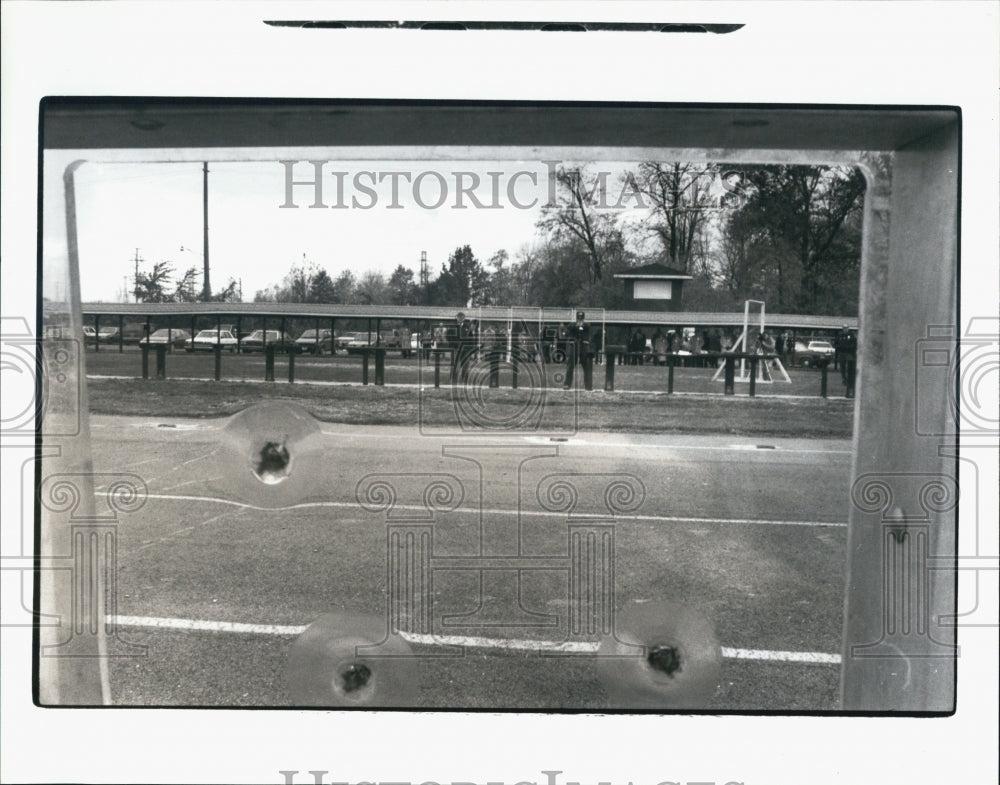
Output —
<point x="315" y="342"/>
<point x="255" y="342"/>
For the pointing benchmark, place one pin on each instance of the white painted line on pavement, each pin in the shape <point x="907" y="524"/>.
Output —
<point x="204" y="625"/>
<point x="475" y="642"/>
<point x="581" y="442"/>
<point x="173" y="426"/>
<point x="569" y="441"/>
<point x="525" y="513"/>
<point x="470" y="641"/>
<point x="812" y="657"/>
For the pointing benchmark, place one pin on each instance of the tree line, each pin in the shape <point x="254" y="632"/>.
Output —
<point x="161" y="285"/>
<point x="786" y="234"/>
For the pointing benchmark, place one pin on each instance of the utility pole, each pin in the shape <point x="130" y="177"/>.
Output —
<point x="424" y="274"/>
<point x="206" y="292"/>
<point x="137" y="259"/>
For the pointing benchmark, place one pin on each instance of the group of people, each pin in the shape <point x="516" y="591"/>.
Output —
<point x="581" y="346"/>
<point x="782" y="345"/>
<point x="640" y="349"/>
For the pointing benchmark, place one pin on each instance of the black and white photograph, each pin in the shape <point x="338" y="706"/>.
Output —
<point x="523" y="413"/>
<point x="455" y="409"/>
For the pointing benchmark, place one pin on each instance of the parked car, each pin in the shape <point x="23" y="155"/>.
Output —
<point x="173" y="336"/>
<point x="106" y="334"/>
<point x="344" y="339"/>
<point x="414" y="345"/>
<point x="207" y="340"/>
<point x="362" y="341"/>
<point x="814" y="354"/>
<point x="255" y="341"/>
<point x="314" y="342"/>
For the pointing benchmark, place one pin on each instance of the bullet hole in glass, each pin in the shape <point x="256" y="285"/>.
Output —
<point x="354" y="677"/>
<point x="272" y="463"/>
<point x="665" y="658"/>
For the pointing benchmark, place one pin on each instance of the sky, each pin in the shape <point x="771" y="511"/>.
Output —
<point x="154" y="210"/>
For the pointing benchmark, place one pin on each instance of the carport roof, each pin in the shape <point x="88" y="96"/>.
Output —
<point x="442" y="313"/>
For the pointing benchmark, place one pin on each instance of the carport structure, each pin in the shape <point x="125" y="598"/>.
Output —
<point x="185" y="315"/>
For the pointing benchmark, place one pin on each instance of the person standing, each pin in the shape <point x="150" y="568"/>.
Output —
<point x="637" y="347"/>
<point x="838" y="350"/>
<point x="847" y="346"/>
<point x="787" y="346"/>
<point x="463" y="348"/>
<point x="765" y="347"/>
<point x="660" y="347"/>
<point x="579" y="348"/>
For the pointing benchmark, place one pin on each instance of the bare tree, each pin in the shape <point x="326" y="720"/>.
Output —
<point x="298" y="282"/>
<point x="680" y="199"/>
<point x="736" y="256"/>
<point x="575" y="216"/>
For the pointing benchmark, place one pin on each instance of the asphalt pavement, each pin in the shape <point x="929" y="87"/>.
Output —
<point x="219" y="571"/>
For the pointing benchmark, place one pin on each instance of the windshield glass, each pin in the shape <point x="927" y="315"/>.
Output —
<point x="612" y="446"/>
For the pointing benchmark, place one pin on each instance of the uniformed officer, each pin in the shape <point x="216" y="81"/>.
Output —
<point x="847" y="347"/>
<point x="463" y="348"/>
<point x="579" y="348"/>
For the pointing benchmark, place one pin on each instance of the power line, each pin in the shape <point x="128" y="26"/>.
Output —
<point x="205" y="282"/>
<point x="137" y="259"/>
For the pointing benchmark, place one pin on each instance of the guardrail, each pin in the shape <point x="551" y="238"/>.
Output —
<point x="613" y="353"/>
<point x="457" y="356"/>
